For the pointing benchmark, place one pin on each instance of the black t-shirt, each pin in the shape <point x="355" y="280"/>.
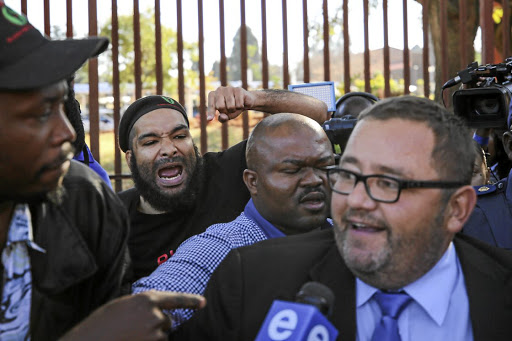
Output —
<point x="155" y="237"/>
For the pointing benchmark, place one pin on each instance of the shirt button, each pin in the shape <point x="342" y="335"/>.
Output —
<point x="500" y="185"/>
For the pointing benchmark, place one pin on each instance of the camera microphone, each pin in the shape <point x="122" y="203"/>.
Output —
<point x="302" y="320"/>
<point x="451" y="82"/>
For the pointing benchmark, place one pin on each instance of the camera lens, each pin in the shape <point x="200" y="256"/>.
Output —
<point x="486" y="106"/>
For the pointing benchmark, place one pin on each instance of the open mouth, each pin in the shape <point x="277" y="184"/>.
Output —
<point x="365" y="228"/>
<point x="171" y="175"/>
<point x="313" y="201"/>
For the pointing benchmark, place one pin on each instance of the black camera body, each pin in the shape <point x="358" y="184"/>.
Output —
<point x="338" y="129"/>
<point x="486" y="101"/>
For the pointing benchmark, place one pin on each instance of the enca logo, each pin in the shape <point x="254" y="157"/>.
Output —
<point x="283" y="324"/>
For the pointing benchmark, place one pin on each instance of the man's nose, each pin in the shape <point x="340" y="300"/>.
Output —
<point x="64" y="132"/>
<point x="168" y="148"/>
<point x="359" y="197"/>
<point x="314" y="177"/>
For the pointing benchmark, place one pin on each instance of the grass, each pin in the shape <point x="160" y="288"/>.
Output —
<point x="214" y="139"/>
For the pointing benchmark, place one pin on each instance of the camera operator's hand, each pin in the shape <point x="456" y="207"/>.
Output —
<point x="229" y="102"/>
<point x="135" y="317"/>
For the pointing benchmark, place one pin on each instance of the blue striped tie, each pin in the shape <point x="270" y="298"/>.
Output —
<point x="391" y="305"/>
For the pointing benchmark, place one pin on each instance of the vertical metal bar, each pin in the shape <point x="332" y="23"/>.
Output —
<point x="93" y="87"/>
<point x="387" y="90"/>
<point x="366" y="12"/>
<point x="69" y="18"/>
<point x="118" y="186"/>
<point x="407" y="64"/>
<point x="426" y="76"/>
<point x="181" y="70"/>
<point x="243" y="65"/>
<point x="346" y="48"/>
<point x="444" y="42"/>
<point x="327" y="66"/>
<point x="222" y="70"/>
<point x="462" y="34"/>
<point x="137" y="49"/>
<point x="47" y="26"/>
<point x="264" y="43"/>
<point x="305" y="39"/>
<point x="24" y="7"/>
<point x="202" y="85"/>
<point x="286" y="73"/>
<point x="158" y="50"/>
<point x="487" y="25"/>
<point x="506" y="31"/>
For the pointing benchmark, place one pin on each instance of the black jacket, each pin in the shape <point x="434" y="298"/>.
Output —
<point x="86" y="254"/>
<point x="249" y="279"/>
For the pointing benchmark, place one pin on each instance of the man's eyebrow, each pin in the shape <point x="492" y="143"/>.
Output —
<point x="153" y="134"/>
<point x="299" y="162"/>
<point x="349" y="159"/>
<point x="398" y="171"/>
<point x="395" y="171"/>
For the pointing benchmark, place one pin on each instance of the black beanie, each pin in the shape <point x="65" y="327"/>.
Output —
<point x="141" y="107"/>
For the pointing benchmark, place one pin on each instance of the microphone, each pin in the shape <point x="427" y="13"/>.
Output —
<point x="451" y="82"/>
<point x="302" y="320"/>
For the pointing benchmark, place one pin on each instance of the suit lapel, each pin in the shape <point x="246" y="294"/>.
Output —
<point x="489" y="289"/>
<point x="332" y="271"/>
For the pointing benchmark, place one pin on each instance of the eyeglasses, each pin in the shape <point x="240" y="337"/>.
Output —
<point x="380" y="188"/>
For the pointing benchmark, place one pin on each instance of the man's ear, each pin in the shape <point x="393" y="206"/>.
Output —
<point x="459" y="208"/>
<point x="251" y="181"/>
<point x="507" y="144"/>
<point x="128" y="158"/>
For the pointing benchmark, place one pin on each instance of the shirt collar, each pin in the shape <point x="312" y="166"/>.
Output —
<point x="20" y="229"/>
<point x="268" y="229"/>
<point x="441" y="280"/>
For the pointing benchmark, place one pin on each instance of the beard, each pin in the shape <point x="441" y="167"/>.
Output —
<point x="396" y="263"/>
<point x="180" y="202"/>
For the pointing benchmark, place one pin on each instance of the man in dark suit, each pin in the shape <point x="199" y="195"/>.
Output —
<point x="401" y="193"/>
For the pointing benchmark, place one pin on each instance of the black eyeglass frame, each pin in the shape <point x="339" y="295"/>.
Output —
<point x="402" y="184"/>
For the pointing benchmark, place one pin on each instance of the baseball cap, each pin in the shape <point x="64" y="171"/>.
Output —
<point x="28" y="60"/>
<point x="141" y="107"/>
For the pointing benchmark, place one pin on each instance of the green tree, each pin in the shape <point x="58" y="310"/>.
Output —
<point x="148" y="59"/>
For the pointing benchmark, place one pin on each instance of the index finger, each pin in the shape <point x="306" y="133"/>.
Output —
<point x="210" y="111"/>
<point x="174" y="300"/>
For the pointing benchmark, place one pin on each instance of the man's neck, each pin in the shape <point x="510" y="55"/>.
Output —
<point x="6" y="210"/>
<point x="146" y="208"/>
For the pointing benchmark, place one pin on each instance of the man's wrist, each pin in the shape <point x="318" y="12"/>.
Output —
<point x="482" y="141"/>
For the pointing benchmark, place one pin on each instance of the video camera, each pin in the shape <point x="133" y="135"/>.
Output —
<point x="486" y="101"/>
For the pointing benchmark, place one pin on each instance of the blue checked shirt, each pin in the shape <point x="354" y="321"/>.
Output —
<point x="191" y="267"/>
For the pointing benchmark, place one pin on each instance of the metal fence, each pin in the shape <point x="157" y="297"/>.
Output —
<point x="342" y="12"/>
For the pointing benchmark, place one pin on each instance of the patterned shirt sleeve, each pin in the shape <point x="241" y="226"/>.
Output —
<point x="191" y="267"/>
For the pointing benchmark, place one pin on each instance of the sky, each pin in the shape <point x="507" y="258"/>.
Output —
<point x="253" y="19"/>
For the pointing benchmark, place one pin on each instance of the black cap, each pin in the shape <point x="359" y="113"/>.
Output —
<point x="141" y="107"/>
<point x="28" y="60"/>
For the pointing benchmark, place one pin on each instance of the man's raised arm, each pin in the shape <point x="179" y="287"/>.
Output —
<point x="229" y="102"/>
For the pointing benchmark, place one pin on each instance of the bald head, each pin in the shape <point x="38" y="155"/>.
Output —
<point x="286" y="159"/>
<point x="263" y="139"/>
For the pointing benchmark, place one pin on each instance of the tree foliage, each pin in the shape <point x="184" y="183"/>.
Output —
<point x="148" y="59"/>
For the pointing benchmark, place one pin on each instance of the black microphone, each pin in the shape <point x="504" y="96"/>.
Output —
<point x="451" y="82"/>
<point x="303" y="320"/>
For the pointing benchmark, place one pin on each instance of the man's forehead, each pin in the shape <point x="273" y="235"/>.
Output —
<point x="308" y="148"/>
<point x="398" y="144"/>
<point x="159" y="118"/>
<point x="27" y="99"/>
